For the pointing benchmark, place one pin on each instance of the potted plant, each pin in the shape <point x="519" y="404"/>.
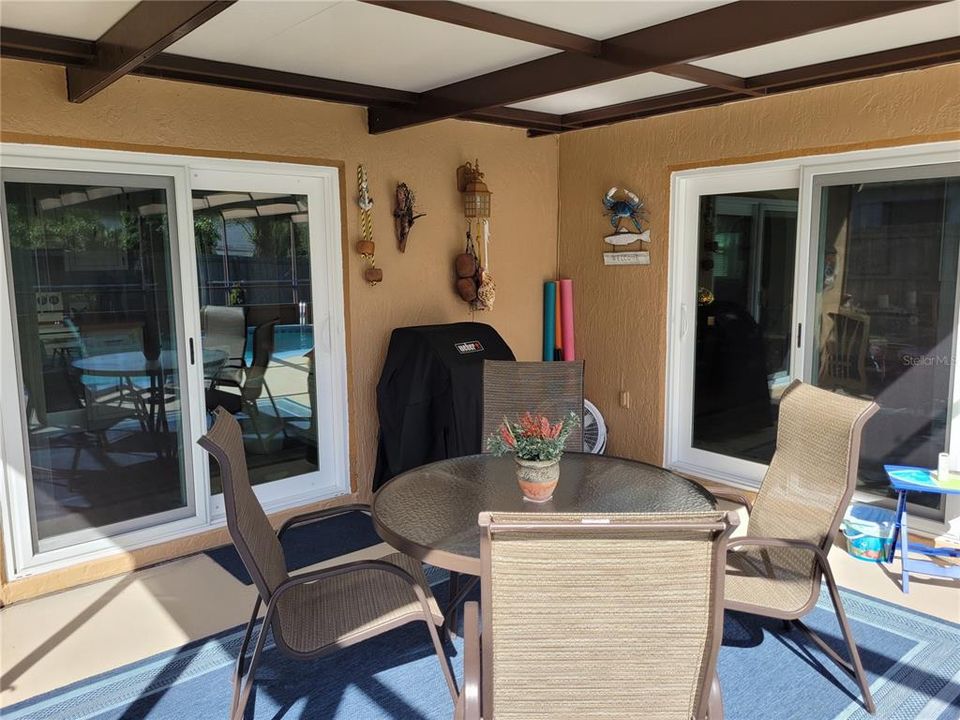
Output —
<point x="536" y="445"/>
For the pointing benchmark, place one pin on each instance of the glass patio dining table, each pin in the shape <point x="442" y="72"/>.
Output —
<point x="430" y="512"/>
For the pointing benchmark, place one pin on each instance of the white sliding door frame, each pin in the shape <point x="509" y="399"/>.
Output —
<point x="687" y="189"/>
<point x="810" y="172"/>
<point x="321" y="185"/>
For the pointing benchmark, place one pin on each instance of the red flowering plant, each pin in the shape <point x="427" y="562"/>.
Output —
<point x="532" y="437"/>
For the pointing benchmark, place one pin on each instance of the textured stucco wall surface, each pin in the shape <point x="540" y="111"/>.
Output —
<point x="621" y="311"/>
<point x="164" y="116"/>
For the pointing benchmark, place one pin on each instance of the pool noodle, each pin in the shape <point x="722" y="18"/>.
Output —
<point x="558" y="329"/>
<point x="549" y="321"/>
<point x="566" y="306"/>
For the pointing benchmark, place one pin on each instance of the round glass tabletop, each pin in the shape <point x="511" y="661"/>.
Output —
<point x="431" y="512"/>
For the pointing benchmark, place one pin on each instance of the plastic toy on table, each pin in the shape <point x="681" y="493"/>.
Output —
<point x="906" y="479"/>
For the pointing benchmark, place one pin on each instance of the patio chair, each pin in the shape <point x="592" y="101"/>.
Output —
<point x="597" y="616"/>
<point x="225" y="328"/>
<point x="513" y="388"/>
<point x="251" y="389"/>
<point x="843" y="361"/>
<point x="318" y="611"/>
<point x="776" y="569"/>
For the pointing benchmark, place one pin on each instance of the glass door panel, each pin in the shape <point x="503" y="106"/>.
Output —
<point x="96" y="318"/>
<point x="745" y="279"/>
<point x="253" y="264"/>
<point x="886" y="310"/>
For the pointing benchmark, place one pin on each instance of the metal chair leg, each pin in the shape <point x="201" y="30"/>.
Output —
<point x="238" y="669"/>
<point x="445" y="665"/>
<point x="854" y="667"/>
<point x="859" y="673"/>
<point x="715" y="703"/>
<point x="244" y="684"/>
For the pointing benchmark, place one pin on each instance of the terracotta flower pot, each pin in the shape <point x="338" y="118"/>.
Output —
<point x="537" y="478"/>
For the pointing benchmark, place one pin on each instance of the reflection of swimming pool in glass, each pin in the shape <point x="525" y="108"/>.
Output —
<point x="288" y="341"/>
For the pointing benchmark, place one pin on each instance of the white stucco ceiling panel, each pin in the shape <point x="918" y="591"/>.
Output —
<point x="908" y="28"/>
<point x="635" y="87"/>
<point x="86" y="20"/>
<point x="597" y="19"/>
<point x="353" y="41"/>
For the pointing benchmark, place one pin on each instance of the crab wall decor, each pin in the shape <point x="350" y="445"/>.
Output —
<point x="632" y="208"/>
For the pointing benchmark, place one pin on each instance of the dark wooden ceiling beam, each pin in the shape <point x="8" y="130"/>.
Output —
<point x="245" y="77"/>
<point x="144" y="32"/>
<point x="885" y="61"/>
<point x="43" y="47"/>
<point x="861" y="66"/>
<point x="713" y="78"/>
<point x="497" y="24"/>
<point x="490" y="22"/>
<point x="717" y="31"/>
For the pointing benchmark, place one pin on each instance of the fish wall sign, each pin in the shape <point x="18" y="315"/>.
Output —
<point x="624" y="213"/>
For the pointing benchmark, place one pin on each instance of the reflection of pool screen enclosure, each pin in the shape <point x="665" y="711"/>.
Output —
<point x="430" y="394"/>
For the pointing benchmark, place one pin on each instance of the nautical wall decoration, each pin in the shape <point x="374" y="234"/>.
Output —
<point x="366" y="246"/>
<point x="405" y="214"/>
<point x="627" y="217"/>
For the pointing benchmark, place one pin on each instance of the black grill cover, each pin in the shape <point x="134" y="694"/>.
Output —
<point x="429" y="397"/>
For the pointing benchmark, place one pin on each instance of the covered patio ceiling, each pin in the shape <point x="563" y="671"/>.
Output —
<point x="545" y="66"/>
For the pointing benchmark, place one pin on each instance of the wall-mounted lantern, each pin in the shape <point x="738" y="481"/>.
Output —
<point x="476" y="194"/>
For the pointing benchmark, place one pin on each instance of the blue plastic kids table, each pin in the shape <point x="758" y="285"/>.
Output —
<point x="905" y="479"/>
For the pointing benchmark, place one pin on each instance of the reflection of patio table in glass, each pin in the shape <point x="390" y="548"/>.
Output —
<point x="134" y="364"/>
<point x="913" y="479"/>
<point x="431" y="512"/>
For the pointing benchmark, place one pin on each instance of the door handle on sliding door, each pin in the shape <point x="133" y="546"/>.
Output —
<point x="683" y="320"/>
<point x="193" y="358"/>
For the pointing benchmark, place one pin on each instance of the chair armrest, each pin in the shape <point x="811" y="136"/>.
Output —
<point x="468" y="704"/>
<point x="309" y="517"/>
<point x="764" y="542"/>
<point x="734" y="497"/>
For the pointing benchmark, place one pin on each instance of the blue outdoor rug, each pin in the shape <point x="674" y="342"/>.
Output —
<point x="309" y="544"/>
<point x="913" y="661"/>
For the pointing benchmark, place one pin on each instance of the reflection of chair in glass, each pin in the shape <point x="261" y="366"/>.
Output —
<point x="225" y="328"/>
<point x="320" y="611"/>
<point x="776" y="569"/>
<point x="616" y="616"/>
<point x="105" y="402"/>
<point x="554" y="389"/>
<point x="843" y="361"/>
<point x="251" y="389"/>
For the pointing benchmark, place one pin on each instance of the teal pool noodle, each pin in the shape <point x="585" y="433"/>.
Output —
<point x="549" y="318"/>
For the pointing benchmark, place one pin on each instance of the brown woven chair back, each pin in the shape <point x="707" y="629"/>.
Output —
<point x="590" y="616"/>
<point x="251" y="532"/>
<point x="811" y="477"/>
<point x="554" y="389"/>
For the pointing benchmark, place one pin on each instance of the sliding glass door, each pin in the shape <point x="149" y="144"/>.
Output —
<point x="742" y="350"/>
<point x="884" y="312"/>
<point x="256" y="304"/>
<point x="840" y="271"/>
<point x="96" y="312"/>
<point x="138" y="293"/>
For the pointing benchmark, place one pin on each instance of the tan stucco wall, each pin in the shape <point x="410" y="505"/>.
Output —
<point x="621" y="311"/>
<point x="164" y="116"/>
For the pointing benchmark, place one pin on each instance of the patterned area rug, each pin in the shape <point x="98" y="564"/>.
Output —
<point x="912" y="659"/>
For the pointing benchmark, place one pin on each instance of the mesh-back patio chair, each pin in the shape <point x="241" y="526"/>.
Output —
<point x="776" y="569"/>
<point x="225" y="328"/>
<point x="592" y="616"/>
<point x="251" y="389"/>
<point x="513" y="388"/>
<point x="314" y="612"/>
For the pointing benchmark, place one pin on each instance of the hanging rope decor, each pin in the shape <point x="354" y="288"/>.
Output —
<point x="366" y="246"/>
